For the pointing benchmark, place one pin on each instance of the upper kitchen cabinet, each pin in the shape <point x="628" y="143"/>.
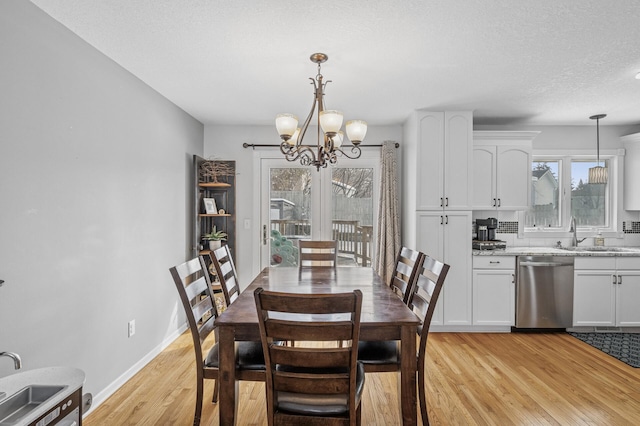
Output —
<point x="631" y="171"/>
<point x="502" y="170"/>
<point x="445" y="168"/>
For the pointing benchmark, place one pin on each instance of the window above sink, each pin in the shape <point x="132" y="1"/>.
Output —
<point x="560" y="189"/>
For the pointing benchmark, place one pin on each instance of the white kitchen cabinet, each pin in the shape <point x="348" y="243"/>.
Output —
<point x="502" y="170"/>
<point x="631" y="171"/>
<point x="494" y="291"/>
<point x="445" y="168"/>
<point x="446" y="236"/>
<point x="606" y="292"/>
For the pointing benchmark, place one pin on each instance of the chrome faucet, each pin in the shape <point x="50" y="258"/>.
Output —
<point x="17" y="362"/>
<point x="574" y="237"/>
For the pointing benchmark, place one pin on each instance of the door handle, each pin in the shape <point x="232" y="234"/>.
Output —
<point x="441" y="202"/>
<point x="446" y="219"/>
<point x="494" y="203"/>
<point x="513" y="278"/>
<point x="620" y="279"/>
<point x="499" y="202"/>
<point x="264" y="235"/>
<point x="441" y="220"/>
<point x="613" y="277"/>
<point x="446" y="204"/>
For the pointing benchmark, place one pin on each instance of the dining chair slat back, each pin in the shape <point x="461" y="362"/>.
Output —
<point x="226" y="271"/>
<point x="194" y="288"/>
<point x="316" y="254"/>
<point x="423" y="302"/>
<point x="317" y="381"/>
<point x="384" y="355"/>
<point x="405" y="272"/>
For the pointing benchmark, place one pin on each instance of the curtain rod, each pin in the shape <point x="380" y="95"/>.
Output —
<point x="256" y="145"/>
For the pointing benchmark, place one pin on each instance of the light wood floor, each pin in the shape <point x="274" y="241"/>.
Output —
<point x="483" y="379"/>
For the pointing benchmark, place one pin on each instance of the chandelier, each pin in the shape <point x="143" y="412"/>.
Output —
<point x="329" y="122"/>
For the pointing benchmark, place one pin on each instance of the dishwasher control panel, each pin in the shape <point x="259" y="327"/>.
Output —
<point x="65" y="413"/>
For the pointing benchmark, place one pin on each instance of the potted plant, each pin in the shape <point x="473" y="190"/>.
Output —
<point x="215" y="238"/>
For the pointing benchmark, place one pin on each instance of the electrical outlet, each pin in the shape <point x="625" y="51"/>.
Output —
<point x="132" y="328"/>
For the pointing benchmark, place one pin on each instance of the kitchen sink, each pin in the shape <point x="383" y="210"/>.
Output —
<point x="21" y="403"/>
<point x="599" y="249"/>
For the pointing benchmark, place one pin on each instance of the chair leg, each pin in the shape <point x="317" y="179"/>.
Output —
<point x="199" y="391"/>
<point x="215" y="391"/>
<point x="421" y="393"/>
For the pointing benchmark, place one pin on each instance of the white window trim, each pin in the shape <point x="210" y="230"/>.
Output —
<point x="615" y="158"/>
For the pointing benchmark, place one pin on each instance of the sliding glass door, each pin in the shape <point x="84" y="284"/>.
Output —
<point x="300" y="202"/>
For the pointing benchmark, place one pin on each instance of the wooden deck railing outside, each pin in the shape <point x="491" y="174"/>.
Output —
<point x="353" y="239"/>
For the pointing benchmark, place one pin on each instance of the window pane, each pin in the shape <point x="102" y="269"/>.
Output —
<point x="588" y="201"/>
<point x="352" y="214"/>
<point x="545" y="199"/>
<point x="290" y="213"/>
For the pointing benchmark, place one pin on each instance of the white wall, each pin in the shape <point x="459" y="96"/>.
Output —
<point x="225" y="143"/>
<point x="95" y="187"/>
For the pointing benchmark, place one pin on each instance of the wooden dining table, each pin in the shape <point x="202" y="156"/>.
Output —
<point x="383" y="317"/>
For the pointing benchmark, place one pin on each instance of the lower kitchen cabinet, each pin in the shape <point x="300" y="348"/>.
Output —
<point x="494" y="291"/>
<point x="606" y="292"/>
<point x="445" y="235"/>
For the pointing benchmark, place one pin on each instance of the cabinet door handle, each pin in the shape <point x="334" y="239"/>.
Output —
<point x="620" y="279"/>
<point x="494" y="203"/>
<point x="494" y="261"/>
<point x="264" y="235"/>
<point x="441" y="202"/>
<point x="614" y="278"/>
<point x="513" y="278"/>
<point x="441" y="220"/>
<point x="446" y="204"/>
<point x="499" y="202"/>
<point x="446" y="219"/>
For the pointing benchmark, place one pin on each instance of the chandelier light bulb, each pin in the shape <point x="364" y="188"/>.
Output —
<point x="286" y="124"/>
<point x="356" y="131"/>
<point x="337" y="139"/>
<point x="330" y="121"/>
<point x="294" y="138"/>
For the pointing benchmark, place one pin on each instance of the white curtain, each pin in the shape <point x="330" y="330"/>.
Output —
<point x="388" y="243"/>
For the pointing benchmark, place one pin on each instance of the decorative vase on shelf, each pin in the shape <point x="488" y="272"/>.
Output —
<point x="214" y="244"/>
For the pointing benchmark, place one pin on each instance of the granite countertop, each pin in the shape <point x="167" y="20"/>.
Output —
<point x="71" y="378"/>
<point x="554" y="251"/>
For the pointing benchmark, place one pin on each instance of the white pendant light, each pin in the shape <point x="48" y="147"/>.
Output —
<point x="598" y="174"/>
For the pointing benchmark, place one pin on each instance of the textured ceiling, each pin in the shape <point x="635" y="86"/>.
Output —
<point x="541" y="62"/>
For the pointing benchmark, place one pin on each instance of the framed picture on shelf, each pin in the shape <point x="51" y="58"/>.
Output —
<point x="210" y="206"/>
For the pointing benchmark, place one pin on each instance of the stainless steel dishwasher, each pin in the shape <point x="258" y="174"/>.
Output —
<point x="544" y="292"/>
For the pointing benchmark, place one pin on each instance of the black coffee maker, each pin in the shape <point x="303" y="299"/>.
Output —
<point x="486" y="229"/>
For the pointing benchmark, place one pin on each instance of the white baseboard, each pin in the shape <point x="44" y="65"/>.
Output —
<point x="135" y="368"/>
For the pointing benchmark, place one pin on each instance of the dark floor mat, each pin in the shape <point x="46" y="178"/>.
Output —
<point x="623" y="346"/>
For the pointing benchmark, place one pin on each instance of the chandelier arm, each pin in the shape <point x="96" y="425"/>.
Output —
<point x="354" y="149"/>
<point x="305" y="125"/>
<point x="302" y="152"/>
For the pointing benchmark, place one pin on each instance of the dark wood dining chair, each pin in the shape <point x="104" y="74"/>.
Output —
<point x="382" y="355"/>
<point x="423" y="303"/>
<point x="226" y="271"/>
<point x="316" y="382"/>
<point x="405" y="272"/>
<point x="318" y="254"/>
<point x="194" y="287"/>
